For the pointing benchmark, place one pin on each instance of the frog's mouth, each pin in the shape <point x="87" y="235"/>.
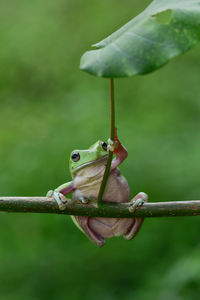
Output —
<point x="90" y="163"/>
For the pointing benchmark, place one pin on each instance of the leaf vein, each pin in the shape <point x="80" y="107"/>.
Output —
<point x="146" y="39"/>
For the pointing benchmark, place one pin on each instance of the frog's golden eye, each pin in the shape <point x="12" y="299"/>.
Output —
<point x="75" y="156"/>
<point x="104" y="146"/>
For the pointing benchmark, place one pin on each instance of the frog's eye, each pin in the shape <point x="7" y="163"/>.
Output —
<point x="75" y="156"/>
<point x="104" y="146"/>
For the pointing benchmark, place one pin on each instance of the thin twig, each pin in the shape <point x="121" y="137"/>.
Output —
<point x="48" y="205"/>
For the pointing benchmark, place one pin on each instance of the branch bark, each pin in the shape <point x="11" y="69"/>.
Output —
<point x="48" y="205"/>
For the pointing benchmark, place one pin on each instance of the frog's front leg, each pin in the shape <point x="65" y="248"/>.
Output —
<point x="60" y="192"/>
<point x="138" y="200"/>
<point x="118" y="149"/>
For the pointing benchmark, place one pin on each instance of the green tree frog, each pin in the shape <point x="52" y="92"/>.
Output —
<point x="87" y="169"/>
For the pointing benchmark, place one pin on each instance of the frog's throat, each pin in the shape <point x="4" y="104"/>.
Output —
<point x="88" y="163"/>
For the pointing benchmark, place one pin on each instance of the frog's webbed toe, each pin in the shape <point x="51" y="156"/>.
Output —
<point x="96" y="238"/>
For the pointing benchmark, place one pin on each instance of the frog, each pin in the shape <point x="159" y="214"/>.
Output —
<point x="87" y="169"/>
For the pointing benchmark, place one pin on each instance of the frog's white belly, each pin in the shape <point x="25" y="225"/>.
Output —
<point x="88" y="180"/>
<point x="117" y="190"/>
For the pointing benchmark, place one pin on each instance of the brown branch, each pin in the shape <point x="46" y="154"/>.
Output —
<point x="48" y="205"/>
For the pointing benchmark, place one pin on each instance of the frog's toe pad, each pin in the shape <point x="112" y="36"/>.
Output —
<point x="112" y="145"/>
<point x="84" y="199"/>
<point x="49" y="193"/>
<point x="134" y="205"/>
<point x="143" y="196"/>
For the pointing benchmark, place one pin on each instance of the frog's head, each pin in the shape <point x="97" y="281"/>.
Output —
<point x="81" y="158"/>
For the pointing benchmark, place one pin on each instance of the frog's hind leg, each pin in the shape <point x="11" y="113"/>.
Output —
<point x="133" y="230"/>
<point x="83" y="224"/>
<point x="135" y="227"/>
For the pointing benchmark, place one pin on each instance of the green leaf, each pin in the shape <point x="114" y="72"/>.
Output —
<point x="165" y="29"/>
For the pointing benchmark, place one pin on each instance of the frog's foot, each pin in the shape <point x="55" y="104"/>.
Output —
<point x="115" y="145"/>
<point x="59" y="198"/>
<point x="112" y="145"/>
<point x="137" y="201"/>
<point x="84" y="199"/>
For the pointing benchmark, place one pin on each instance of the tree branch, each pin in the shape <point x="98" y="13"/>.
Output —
<point x="48" y="205"/>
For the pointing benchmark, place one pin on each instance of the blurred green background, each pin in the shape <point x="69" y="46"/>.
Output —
<point x="48" y="108"/>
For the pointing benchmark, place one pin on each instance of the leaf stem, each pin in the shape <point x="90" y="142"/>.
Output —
<point x="112" y="110"/>
<point x="110" y="154"/>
